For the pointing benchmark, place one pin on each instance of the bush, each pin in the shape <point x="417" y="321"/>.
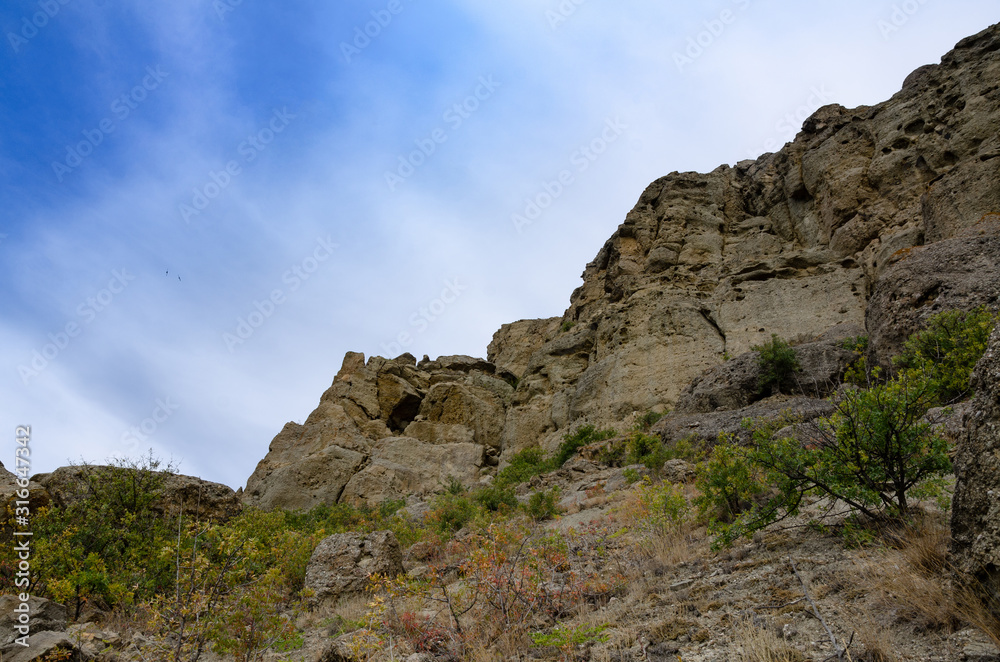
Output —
<point x="101" y="545"/>
<point x="523" y="465"/>
<point x="495" y="497"/>
<point x="451" y="512"/>
<point x="543" y="505"/>
<point x="946" y="351"/>
<point x="586" y="434"/>
<point x="777" y="363"/>
<point x="870" y="454"/>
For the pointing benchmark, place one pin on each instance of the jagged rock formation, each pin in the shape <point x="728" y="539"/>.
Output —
<point x="975" y="521"/>
<point x="704" y="266"/>
<point x="387" y="429"/>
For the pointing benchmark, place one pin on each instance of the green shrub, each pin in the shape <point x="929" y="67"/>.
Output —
<point x="647" y="420"/>
<point x="777" y="363"/>
<point x="946" y="351"/>
<point x="543" y="505"/>
<point x="870" y="454"/>
<point x="495" y="497"/>
<point x="571" y="443"/>
<point x="102" y="544"/>
<point x="450" y="512"/>
<point x="523" y="465"/>
<point x="728" y="481"/>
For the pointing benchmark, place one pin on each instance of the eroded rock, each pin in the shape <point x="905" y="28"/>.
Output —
<point x="341" y="564"/>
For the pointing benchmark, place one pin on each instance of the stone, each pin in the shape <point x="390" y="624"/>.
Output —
<point x="513" y="344"/>
<point x="735" y="383"/>
<point x="402" y="466"/>
<point x="476" y="408"/>
<point x="975" y="517"/>
<point x="342" y="563"/>
<point x="44" y="615"/>
<point x="677" y="471"/>
<point x="40" y="645"/>
<point x="705" y="428"/>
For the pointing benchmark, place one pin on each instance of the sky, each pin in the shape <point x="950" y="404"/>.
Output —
<point x="205" y="203"/>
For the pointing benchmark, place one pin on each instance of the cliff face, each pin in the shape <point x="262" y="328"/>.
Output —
<point x="703" y="266"/>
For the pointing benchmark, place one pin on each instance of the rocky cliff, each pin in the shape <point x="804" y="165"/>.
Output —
<point x="822" y="235"/>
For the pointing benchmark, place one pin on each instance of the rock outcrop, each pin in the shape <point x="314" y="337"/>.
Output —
<point x="43" y="614"/>
<point x="387" y="429"/>
<point x="953" y="274"/>
<point x="194" y="497"/>
<point x="704" y="266"/>
<point x="975" y="520"/>
<point x="341" y="564"/>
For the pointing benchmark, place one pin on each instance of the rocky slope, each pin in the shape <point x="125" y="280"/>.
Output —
<point x="817" y="236"/>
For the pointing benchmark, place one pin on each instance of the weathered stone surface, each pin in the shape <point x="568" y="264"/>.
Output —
<point x="975" y="519"/>
<point x="194" y="496"/>
<point x="514" y="343"/>
<point x="342" y="563"/>
<point x="402" y="466"/>
<point x="706" y="427"/>
<point x="735" y="383"/>
<point x="954" y="274"/>
<point x="453" y="403"/>
<point x="40" y="645"/>
<point x="45" y="615"/>
<point x="373" y="434"/>
<point x="8" y="489"/>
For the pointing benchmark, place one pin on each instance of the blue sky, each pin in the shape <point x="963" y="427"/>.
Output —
<point x="205" y="204"/>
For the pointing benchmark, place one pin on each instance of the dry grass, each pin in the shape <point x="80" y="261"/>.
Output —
<point x="876" y="642"/>
<point x="972" y="607"/>
<point x="751" y="643"/>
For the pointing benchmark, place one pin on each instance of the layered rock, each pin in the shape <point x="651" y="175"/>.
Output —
<point x="707" y="264"/>
<point x="954" y="274"/>
<point x="975" y="520"/>
<point x="704" y="266"/>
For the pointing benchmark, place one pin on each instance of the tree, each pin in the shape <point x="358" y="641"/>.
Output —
<point x="869" y="454"/>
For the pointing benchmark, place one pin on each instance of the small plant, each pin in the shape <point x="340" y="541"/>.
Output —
<point x="777" y="363"/>
<point x="523" y="465"/>
<point x="543" y="505"/>
<point x="631" y="476"/>
<point x="567" y="325"/>
<point x="454" y="486"/>
<point x="495" y="497"/>
<point x="646" y="421"/>
<point x="451" y="512"/>
<point x="586" y="434"/>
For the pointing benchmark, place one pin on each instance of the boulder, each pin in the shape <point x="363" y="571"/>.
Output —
<point x="514" y="343"/>
<point x="455" y="403"/>
<point x="341" y="564"/>
<point x="44" y="615"/>
<point x="953" y="274"/>
<point x="41" y="645"/>
<point x="975" y="516"/>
